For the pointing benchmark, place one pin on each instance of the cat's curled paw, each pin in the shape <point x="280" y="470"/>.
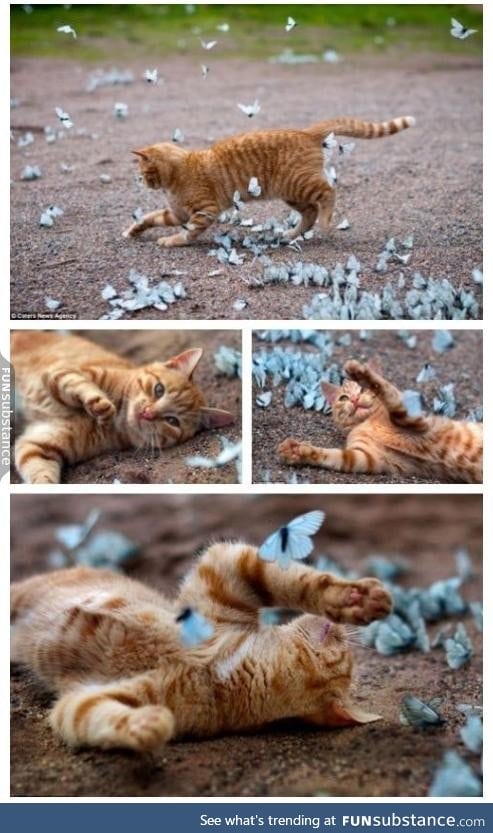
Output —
<point x="101" y="409"/>
<point x="355" y="370"/>
<point x="366" y="600"/>
<point x="148" y="728"/>
<point x="293" y="451"/>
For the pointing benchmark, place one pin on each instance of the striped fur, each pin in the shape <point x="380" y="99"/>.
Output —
<point x="80" y="400"/>
<point x="111" y="649"/>
<point x="288" y="164"/>
<point x="384" y="439"/>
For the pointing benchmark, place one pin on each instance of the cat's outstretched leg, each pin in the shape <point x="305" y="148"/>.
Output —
<point x="77" y="391"/>
<point x="199" y="221"/>
<point x="387" y="393"/>
<point x="163" y="217"/>
<point x="231" y="582"/>
<point x="349" y="460"/>
<point x="125" y="714"/>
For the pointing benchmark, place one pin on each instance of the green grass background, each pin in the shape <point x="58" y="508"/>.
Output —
<point x="111" y="32"/>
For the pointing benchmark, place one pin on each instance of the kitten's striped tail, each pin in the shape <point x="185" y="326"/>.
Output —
<point x="359" y="129"/>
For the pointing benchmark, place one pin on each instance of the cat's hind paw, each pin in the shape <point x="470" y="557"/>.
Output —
<point x="149" y="727"/>
<point x="173" y="240"/>
<point x="365" y="601"/>
<point x="293" y="451"/>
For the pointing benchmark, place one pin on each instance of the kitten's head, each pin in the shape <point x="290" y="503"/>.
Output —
<point x="351" y="404"/>
<point x="158" y="163"/>
<point x="165" y="407"/>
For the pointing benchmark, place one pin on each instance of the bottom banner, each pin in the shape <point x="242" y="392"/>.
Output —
<point x="271" y="817"/>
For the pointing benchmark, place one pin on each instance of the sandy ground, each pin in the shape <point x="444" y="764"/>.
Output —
<point x="380" y="759"/>
<point x="427" y="181"/>
<point x="142" y="465"/>
<point x="462" y="365"/>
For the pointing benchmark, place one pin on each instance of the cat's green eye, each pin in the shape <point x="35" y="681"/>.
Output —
<point x="172" y="420"/>
<point x="159" y="390"/>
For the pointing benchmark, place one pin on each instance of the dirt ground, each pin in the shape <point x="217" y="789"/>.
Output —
<point x="426" y="181"/>
<point x="461" y="365"/>
<point x="380" y="759"/>
<point x="143" y="465"/>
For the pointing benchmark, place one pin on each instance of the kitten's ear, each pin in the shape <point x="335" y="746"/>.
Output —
<point x="144" y="154"/>
<point x="186" y="362"/>
<point x="329" y="391"/>
<point x="215" y="418"/>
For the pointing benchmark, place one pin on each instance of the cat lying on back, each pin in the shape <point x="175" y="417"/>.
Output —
<point x="288" y="164"/>
<point x="384" y="439"/>
<point x="80" y="400"/>
<point x="111" y="649"/>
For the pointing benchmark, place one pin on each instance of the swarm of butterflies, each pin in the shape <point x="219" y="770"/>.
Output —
<point x="83" y="544"/>
<point x="141" y="294"/>
<point x="301" y="371"/>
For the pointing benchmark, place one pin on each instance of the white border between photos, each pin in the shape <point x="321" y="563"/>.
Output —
<point x="248" y="326"/>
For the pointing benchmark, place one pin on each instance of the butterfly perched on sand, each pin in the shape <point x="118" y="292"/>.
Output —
<point x="250" y="110"/>
<point x="458" y="648"/>
<point x="292" y="541"/>
<point x="194" y="628"/>
<point x="426" y="374"/>
<point x="151" y="76"/>
<point x="454" y="777"/>
<point x="415" y="712"/>
<point x="472" y="734"/>
<point x="459" y="31"/>
<point x="254" y="188"/>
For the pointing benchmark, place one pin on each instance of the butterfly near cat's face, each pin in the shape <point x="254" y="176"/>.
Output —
<point x="165" y="407"/>
<point x="351" y="404"/>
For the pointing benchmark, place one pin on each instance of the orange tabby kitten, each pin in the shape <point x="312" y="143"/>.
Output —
<point x="80" y="400"/>
<point x="384" y="439"/>
<point x="288" y="164"/>
<point x="111" y="649"/>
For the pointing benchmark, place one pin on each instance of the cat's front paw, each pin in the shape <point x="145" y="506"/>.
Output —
<point x="293" y="451"/>
<point x="148" y="728"/>
<point x="355" y="370"/>
<point x="366" y="600"/>
<point x="101" y="409"/>
<point x="133" y="230"/>
<point x="173" y="240"/>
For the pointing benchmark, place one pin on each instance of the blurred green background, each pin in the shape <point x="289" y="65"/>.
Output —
<point x="134" y="31"/>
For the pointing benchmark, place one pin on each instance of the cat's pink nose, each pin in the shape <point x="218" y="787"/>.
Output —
<point x="146" y="414"/>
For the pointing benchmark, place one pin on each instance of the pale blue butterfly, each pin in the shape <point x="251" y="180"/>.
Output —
<point x="194" y="628"/>
<point x="472" y="734"/>
<point x="292" y="541"/>
<point x="458" y="648"/>
<point x="454" y="778"/>
<point x="415" y="712"/>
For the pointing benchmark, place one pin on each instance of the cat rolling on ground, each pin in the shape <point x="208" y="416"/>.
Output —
<point x="384" y="439"/>
<point x="111" y="649"/>
<point x="288" y="164"/>
<point x="80" y="400"/>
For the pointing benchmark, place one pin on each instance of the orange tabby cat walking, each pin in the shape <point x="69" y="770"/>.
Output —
<point x="384" y="439"/>
<point x="80" y="400"/>
<point x="288" y="164"/>
<point x="111" y="648"/>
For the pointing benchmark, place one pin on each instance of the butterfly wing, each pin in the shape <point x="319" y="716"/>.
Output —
<point x="272" y="547"/>
<point x="307" y="524"/>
